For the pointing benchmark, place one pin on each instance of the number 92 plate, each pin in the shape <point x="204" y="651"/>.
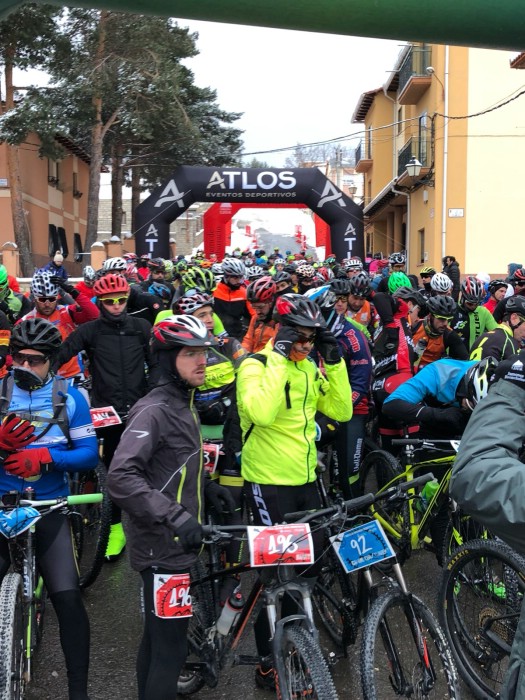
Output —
<point x="362" y="546"/>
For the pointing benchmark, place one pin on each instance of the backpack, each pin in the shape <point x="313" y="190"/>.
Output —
<point x="59" y="400"/>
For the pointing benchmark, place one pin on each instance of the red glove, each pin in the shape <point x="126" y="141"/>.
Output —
<point x="16" y="433"/>
<point x="28" y="463"/>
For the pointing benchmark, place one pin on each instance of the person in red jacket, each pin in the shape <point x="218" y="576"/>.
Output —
<point x="85" y="286"/>
<point x="261" y="295"/>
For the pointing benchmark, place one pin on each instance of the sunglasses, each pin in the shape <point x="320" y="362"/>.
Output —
<point x="32" y="360"/>
<point x="342" y="298"/>
<point x="443" y="318"/>
<point x="49" y="300"/>
<point x="306" y="338"/>
<point x="519" y="284"/>
<point x="113" y="301"/>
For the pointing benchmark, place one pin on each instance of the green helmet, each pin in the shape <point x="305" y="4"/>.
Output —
<point x="396" y="280"/>
<point x="199" y="277"/>
<point x="3" y="276"/>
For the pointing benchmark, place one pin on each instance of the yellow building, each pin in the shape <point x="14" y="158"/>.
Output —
<point x="467" y="199"/>
<point x="55" y="197"/>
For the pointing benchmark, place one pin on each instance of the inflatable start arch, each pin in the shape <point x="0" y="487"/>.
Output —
<point x="307" y="186"/>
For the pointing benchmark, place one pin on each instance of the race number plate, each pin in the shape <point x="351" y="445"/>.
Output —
<point x="210" y="456"/>
<point x="104" y="417"/>
<point x="362" y="546"/>
<point x="280" y="544"/>
<point x="171" y="595"/>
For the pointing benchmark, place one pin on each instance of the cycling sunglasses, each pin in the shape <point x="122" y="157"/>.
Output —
<point x="32" y="360"/>
<point x="113" y="301"/>
<point x="43" y="300"/>
<point x="306" y="338"/>
<point x="443" y="318"/>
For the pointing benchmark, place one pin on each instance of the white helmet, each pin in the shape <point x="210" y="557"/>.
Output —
<point x="114" y="265"/>
<point x="42" y="286"/>
<point x="234" y="268"/>
<point x="254" y="272"/>
<point x="441" y="283"/>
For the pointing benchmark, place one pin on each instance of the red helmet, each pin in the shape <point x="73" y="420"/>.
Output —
<point x="110" y="284"/>
<point x="262" y="290"/>
<point x="180" y="331"/>
<point x="297" y="310"/>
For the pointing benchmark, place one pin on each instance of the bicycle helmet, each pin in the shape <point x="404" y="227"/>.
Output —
<point x="216" y="268"/>
<point x="114" y="265"/>
<point x="156" y="265"/>
<point x="410" y="294"/>
<point x="179" y="332"/>
<point x="305" y="271"/>
<point x="324" y="297"/>
<point x="359" y="285"/>
<point x="181" y="265"/>
<point x="89" y="273"/>
<point x="131" y="257"/>
<point x="325" y="274"/>
<point x="206" y="264"/>
<point x="441" y="306"/>
<point x="198" y="277"/>
<point x="3" y="276"/>
<point x="441" y="283"/>
<point x="168" y="268"/>
<point x="297" y="310"/>
<point x="495" y="285"/>
<point x="472" y="290"/>
<point x="110" y="284"/>
<point x="478" y="379"/>
<point x="519" y="275"/>
<point x="515" y="305"/>
<point x="160" y="290"/>
<point x="353" y="264"/>
<point x="396" y="280"/>
<point x="192" y="300"/>
<point x="397" y="259"/>
<point x="254" y="272"/>
<point x="262" y="290"/>
<point x="330" y="260"/>
<point x="43" y="286"/>
<point x="37" y="334"/>
<point x="282" y="277"/>
<point x="233" y="268"/>
<point x="427" y="271"/>
<point x="340" y="286"/>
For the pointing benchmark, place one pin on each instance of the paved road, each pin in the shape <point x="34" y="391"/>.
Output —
<point x="113" y="606"/>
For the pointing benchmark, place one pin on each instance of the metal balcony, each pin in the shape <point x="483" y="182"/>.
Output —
<point x="417" y="148"/>
<point x="414" y="80"/>
<point x="363" y="157"/>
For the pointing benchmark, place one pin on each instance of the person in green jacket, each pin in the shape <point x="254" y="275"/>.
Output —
<point x="488" y="481"/>
<point x="279" y="391"/>
<point x="471" y="319"/>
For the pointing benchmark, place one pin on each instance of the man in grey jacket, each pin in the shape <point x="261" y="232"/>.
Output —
<point x="488" y="481"/>
<point x="157" y="477"/>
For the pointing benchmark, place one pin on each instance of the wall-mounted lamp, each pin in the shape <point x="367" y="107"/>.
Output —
<point x="413" y="167"/>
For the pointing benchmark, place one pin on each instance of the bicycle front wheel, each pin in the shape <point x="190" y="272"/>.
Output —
<point x="404" y="653"/>
<point x="306" y="673"/>
<point x="334" y="600"/>
<point x="479" y="606"/>
<point x="11" y="638"/>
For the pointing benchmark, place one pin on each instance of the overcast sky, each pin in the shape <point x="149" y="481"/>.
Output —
<point x="293" y="87"/>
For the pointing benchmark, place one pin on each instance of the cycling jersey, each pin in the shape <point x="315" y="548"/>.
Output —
<point x="232" y="308"/>
<point x="498" y="343"/>
<point x="437" y="346"/>
<point x="258" y="334"/>
<point x="81" y="453"/>
<point x="470" y="325"/>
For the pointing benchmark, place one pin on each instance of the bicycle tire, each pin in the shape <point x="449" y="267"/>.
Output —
<point x="91" y="525"/>
<point x="378" y="469"/>
<point x="462" y="528"/>
<point x="203" y="618"/>
<point x="334" y="600"/>
<point x="306" y="673"/>
<point x="11" y="638"/>
<point x="483" y="581"/>
<point x="391" y="617"/>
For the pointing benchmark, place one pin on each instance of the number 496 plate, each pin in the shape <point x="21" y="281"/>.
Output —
<point x="362" y="546"/>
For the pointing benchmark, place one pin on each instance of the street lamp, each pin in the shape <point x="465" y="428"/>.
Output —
<point x="352" y="189"/>
<point x="413" y="167"/>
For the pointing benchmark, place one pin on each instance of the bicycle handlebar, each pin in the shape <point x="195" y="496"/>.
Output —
<point x="353" y="505"/>
<point x="80" y="499"/>
<point x="420" y="442"/>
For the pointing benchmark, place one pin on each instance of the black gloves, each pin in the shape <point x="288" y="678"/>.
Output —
<point x="512" y="370"/>
<point x="326" y="345"/>
<point x="219" y="498"/>
<point x="189" y="534"/>
<point x="4" y="306"/>
<point x="451" y="420"/>
<point x="283" y="341"/>
<point x="67" y="288"/>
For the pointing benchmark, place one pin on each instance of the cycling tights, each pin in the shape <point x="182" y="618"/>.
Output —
<point x="163" y="648"/>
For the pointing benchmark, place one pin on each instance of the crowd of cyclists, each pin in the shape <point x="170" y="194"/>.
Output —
<point x="263" y="359"/>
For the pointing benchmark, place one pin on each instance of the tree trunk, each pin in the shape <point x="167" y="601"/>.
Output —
<point x="20" y="227"/>
<point x="117" y="183"/>
<point x="135" y="192"/>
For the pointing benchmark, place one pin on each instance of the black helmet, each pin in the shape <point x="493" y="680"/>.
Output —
<point x="409" y="294"/>
<point x="515" y="305"/>
<point x="180" y="331"/>
<point x="340" y="286"/>
<point x="441" y="305"/>
<point x="37" y="334"/>
<point x="495" y="285"/>
<point x="297" y="310"/>
<point x="282" y="277"/>
<point x="360" y="285"/>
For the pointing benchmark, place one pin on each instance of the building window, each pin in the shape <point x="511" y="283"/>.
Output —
<point x="77" y="248"/>
<point x="421" y="245"/>
<point x="400" y="121"/>
<point x="423" y="140"/>
<point x="53" y="172"/>
<point x="369" y="143"/>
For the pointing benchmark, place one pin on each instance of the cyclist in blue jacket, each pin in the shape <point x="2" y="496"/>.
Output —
<point x="35" y="452"/>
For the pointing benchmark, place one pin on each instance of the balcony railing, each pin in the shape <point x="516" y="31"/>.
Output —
<point x="363" y="156"/>
<point x="417" y="148"/>
<point x="415" y="63"/>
